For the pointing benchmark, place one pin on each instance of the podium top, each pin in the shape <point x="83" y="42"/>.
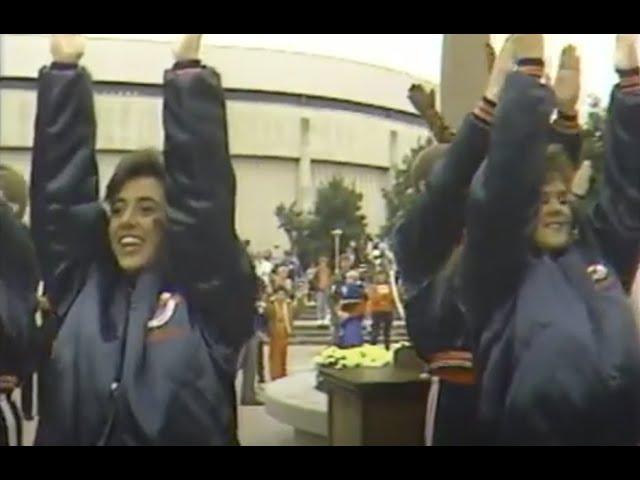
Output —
<point x="375" y="380"/>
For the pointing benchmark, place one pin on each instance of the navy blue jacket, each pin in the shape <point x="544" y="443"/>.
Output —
<point x="112" y="377"/>
<point x="425" y="239"/>
<point x="555" y="345"/>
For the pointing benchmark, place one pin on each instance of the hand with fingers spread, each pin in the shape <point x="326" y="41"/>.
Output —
<point x="424" y="101"/>
<point x="188" y="47"/>
<point x="503" y="64"/>
<point x="567" y="83"/>
<point x="67" y="48"/>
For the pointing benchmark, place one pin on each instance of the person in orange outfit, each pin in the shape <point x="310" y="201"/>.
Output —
<point x="380" y="308"/>
<point x="280" y="312"/>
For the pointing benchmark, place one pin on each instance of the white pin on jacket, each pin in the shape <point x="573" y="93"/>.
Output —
<point x="166" y="308"/>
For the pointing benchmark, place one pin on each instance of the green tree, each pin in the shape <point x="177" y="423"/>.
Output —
<point x="593" y="138"/>
<point x="402" y="195"/>
<point x="337" y="206"/>
<point x="294" y="222"/>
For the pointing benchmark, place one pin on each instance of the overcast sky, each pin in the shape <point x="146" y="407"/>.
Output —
<point x="418" y="54"/>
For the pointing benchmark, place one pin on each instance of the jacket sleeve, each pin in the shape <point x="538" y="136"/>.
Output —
<point x="208" y="259"/>
<point x="435" y="322"/>
<point x="566" y="133"/>
<point x="504" y="197"/>
<point x="615" y="217"/>
<point x="430" y="231"/>
<point x="65" y="211"/>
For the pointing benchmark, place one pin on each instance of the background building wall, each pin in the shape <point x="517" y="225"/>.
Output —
<point x="295" y="120"/>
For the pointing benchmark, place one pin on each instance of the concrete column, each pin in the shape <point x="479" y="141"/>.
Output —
<point x="304" y="196"/>
<point x="464" y="74"/>
<point x="394" y="158"/>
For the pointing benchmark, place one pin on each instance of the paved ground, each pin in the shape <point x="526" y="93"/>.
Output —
<point x="256" y="428"/>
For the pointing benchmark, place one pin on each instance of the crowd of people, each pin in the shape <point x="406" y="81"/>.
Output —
<point x="352" y="300"/>
<point x="517" y="292"/>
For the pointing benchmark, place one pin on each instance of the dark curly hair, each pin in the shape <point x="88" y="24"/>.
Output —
<point x="141" y="163"/>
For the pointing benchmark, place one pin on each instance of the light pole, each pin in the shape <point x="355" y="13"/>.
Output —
<point x="337" y="233"/>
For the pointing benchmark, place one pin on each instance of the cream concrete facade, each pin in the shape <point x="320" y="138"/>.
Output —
<point x="462" y="52"/>
<point x="295" y="120"/>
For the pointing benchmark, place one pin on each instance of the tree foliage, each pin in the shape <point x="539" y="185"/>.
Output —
<point x="401" y="196"/>
<point x="337" y="206"/>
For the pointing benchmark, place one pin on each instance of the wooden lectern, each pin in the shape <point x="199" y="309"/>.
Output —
<point x="376" y="406"/>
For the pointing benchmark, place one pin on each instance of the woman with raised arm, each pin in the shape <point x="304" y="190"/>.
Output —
<point x="556" y="348"/>
<point x="428" y="244"/>
<point x="155" y="293"/>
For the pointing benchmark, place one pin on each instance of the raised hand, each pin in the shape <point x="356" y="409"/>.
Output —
<point x="490" y="52"/>
<point x="67" y="48"/>
<point x="502" y="65"/>
<point x="582" y="180"/>
<point x="567" y="84"/>
<point x="528" y="45"/>
<point x="188" y="47"/>
<point x="626" y="54"/>
<point x="425" y="103"/>
<point x="422" y="100"/>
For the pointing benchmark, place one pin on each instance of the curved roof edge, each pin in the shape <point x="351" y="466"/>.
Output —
<point x="242" y="68"/>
